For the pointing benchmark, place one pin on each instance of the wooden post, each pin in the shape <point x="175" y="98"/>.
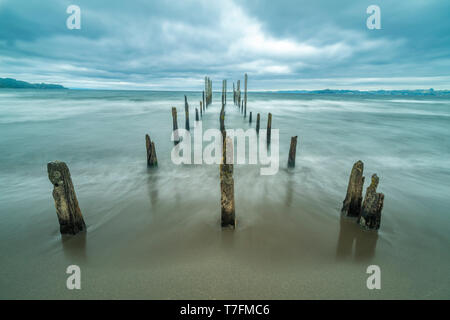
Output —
<point x="250" y="118"/>
<point x="258" y="118"/>
<point x="352" y="204"/>
<point x="186" y="110"/>
<point x="238" y="97"/>
<point x="201" y="110"/>
<point x="222" y="120"/>
<point x="245" y="95"/>
<point x="152" y="161"/>
<point x="371" y="209"/>
<point x="234" y="94"/>
<point x="227" y="184"/>
<point x="269" y="127"/>
<point x="196" y="115"/>
<point x="175" y="125"/>
<point x="66" y="203"/>
<point x="292" y="151"/>
<point x="225" y="91"/>
<point x="203" y="96"/>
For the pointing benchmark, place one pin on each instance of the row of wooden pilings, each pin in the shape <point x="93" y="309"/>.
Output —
<point x="367" y="212"/>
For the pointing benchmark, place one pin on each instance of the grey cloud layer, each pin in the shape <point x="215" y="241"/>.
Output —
<point x="173" y="44"/>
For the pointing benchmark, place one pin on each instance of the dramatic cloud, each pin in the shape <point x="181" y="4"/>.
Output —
<point x="174" y="44"/>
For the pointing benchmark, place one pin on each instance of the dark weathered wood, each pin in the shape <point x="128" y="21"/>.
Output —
<point x="269" y="127"/>
<point x="196" y="115"/>
<point x="203" y="99"/>
<point x="292" y="151"/>
<point x="370" y="217"/>
<point x="258" y="118"/>
<point x="175" y="126"/>
<point x="69" y="214"/>
<point x="352" y="204"/>
<point x="245" y="95"/>
<point x="227" y="185"/>
<point x="152" y="161"/>
<point x="186" y="110"/>
<point x="250" y="118"/>
<point x="201" y="110"/>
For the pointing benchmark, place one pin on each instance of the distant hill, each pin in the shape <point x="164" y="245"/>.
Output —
<point x="16" y="84"/>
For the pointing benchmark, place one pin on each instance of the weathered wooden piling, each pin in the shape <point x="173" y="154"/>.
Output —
<point x="196" y="115"/>
<point x="201" y="110"/>
<point x="152" y="161"/>
<point x="227" y="184"/>
<point x="370" y="217"/>
<point x="269" y="127"/>
<point x="222" y="120"/>
<point x="203" y="98"/>
<point x="238" y="94"/>
<point x="175" y="126"/>
<point x="352" y="204"/>
<point x="186" y="110"/>
<point x="292" y="152"/>
<point x="234" y="94"/>
<point x="258" y="118"/>
<point x="245" y="95"/>
<point x="69" y="214"/>
<point x="250" y="118"/>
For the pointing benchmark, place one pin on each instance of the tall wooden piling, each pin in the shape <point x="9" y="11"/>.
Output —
<point x="152" y="161"/>
<point x="292" y="152"/>
<point x="352" y="204"/>
<point x="234" y="94"/>
<point x="269" y="127"/>
<point x="196" y="115"/>
<point x="370" y="217"/>
<point x="250" y="118"/>
<point x="201" y="110"/>
<point x="238" y="94"/>
<point x="69" y="214"/>
<point x="227" y="184"/>
<point x="258" y="118"/>
<point x="245" y="95"/>
<point x="203" y="98"/>
<point x="186" y="110"/>
<point x="175" y="126"/>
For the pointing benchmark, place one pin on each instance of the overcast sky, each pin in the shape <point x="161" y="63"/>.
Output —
<point x="281" y="44"/>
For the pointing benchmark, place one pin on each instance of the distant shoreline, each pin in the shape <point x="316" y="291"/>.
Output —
<point x="9" y="83"/>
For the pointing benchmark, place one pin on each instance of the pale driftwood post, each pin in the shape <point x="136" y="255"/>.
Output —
<point x="176" y="138"/>
<point x="352" y="204"/>
<point x="152" y="161"/>
<point x="250" y="118"/>
<point x="258" y="118"/>
<point x="292" y="151"/>
<point x="186" y="110"/>
<point x="373" y="204"/>
<point x="245" y="95"/>
<point x="227" y="184"/>
<point x="269" y="127"/>
<point x="66" y="203"/>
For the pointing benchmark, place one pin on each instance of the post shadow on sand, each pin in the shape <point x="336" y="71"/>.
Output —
<point x="152" y="185"/>
<point x="74" y="247"/>
<point x="351" y="233"/>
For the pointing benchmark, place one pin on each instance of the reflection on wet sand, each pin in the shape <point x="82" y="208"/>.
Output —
<point x="365" y="241"/>
<point x="152" y="184"/>
<point x="74" y="247"/>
